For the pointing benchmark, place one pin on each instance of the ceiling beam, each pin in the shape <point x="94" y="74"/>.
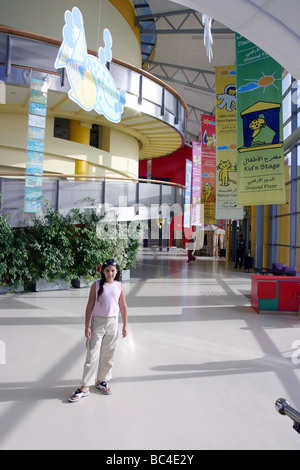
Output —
<point x="150" y="24"/>
<point x="190" y="82"/>
<point x="192" y="69"/>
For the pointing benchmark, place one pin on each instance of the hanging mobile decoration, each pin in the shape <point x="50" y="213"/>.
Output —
<point x="208" y="39"/>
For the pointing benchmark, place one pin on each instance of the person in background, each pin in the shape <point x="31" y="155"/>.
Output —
<point x="190" y="249"/>
<point x="240" y="252"/>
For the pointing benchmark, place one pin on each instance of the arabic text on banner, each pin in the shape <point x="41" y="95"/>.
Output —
<point x="208" y="167"/>
<point x="260" y="153"/>
<point x="196" y="184"/>
<point x="187" y="202"/>
<point x="226" y="155"/>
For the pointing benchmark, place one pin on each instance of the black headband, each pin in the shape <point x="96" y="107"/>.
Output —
<point x="109" y="262"/>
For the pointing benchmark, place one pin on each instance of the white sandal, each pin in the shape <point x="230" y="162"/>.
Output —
<point x="78" y="395"/>
<point x="103" y="387"/>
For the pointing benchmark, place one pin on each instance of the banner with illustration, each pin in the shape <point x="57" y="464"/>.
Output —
<point x="208" y="167"/>
<point x="260" y="157"/>
<point x="35" y="145"/>
<point x="188" y="192"/>
<point x="226" y="148"/>
<point x="196" y="184"/>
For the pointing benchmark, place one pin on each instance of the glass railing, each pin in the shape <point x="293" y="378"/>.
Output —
<point x="129" y="199"/>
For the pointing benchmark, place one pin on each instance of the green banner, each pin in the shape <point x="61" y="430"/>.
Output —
<point x="260" y="157"/>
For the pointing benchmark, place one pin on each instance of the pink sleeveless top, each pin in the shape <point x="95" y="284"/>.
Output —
<point x="107" y="305"/>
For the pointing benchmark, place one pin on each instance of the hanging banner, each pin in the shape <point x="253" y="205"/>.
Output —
<point x="187" y="201"/>
<point x="35" y="145"/>
<point x="196" y="184"/>
<point x="226" y="155"/>
<point x="208" y="167"/>
<point x="260" y="157"/>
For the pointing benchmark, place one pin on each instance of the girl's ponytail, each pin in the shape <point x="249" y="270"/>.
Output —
<point x="100" y="290"/>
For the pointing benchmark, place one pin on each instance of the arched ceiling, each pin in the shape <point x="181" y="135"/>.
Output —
<point x="180" y="57"/>
<point x="273" y="25"/>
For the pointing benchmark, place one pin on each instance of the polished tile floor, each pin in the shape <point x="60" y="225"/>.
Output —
<point x="198" y="370"/>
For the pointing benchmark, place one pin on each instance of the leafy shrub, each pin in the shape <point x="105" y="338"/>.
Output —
<point x="57" y="246"/>
<point x="50" y="254"/>
<point x="13" y="254"/>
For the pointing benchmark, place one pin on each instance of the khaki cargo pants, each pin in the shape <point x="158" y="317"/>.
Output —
<point x="100" y="351"/>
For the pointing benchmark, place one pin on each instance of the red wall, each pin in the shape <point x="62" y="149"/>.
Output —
<point x="173" y="167"/>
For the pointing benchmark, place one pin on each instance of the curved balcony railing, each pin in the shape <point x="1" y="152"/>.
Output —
<point x="131" y="199"/>
<point x="22" y="52"/>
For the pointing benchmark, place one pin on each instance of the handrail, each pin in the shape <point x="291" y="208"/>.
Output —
<point x="283" y="407"/>
<point x="52" y="175"/>
<point x="56" y="42"/>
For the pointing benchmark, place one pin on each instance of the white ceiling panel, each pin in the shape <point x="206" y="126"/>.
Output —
<point x="273" y="25"/>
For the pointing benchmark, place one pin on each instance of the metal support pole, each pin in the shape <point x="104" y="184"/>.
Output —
<point x="233" y="240"/>
<point x="8" y="56"/>
<point x="137" y="199"/>
<point x="103" y="192"/>
<point x="272" y="235"/>
<point x="283" y="407"/>
<point x="57" y="195"/>
<point x="294" y="196"/>
<point x="176" y="119"/>
<point x="140" y="97"/>
<point x="163" y="100"/>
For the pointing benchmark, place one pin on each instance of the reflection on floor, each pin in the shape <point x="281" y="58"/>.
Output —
<point x="198" y="370"/>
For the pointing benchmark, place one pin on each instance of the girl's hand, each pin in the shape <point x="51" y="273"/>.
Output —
<point x="88" y="333"/>
<point x="124" y="331"/>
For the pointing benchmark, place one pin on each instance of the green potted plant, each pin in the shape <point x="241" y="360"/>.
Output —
<point x="86" y="246"/>
<point x="50" y="256"/>
<point x="13" y="257"/>
<point x="53" y="249"/>
<point x="93" y="243"/>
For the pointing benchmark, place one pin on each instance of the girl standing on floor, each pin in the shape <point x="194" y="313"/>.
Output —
<point x="101" y="329"/>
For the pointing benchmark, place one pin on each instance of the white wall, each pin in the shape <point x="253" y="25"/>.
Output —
<point x="46" y="17"/>
<point x="60" y="154"/>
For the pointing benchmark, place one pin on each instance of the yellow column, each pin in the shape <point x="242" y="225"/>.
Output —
<point x="80" y="134"/>
<point x="81" y="168"/>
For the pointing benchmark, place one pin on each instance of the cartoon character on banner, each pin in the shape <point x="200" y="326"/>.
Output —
<point x="225" y="167"/>
<point x="228" y="98"/>
<point x="209" y="140"/>
<point x="92" y="86"/>
<point x="208" y="193"/>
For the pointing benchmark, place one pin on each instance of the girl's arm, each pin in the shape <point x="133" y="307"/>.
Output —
<point x="123" y="309"/>
<point x="89" y="310"/>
